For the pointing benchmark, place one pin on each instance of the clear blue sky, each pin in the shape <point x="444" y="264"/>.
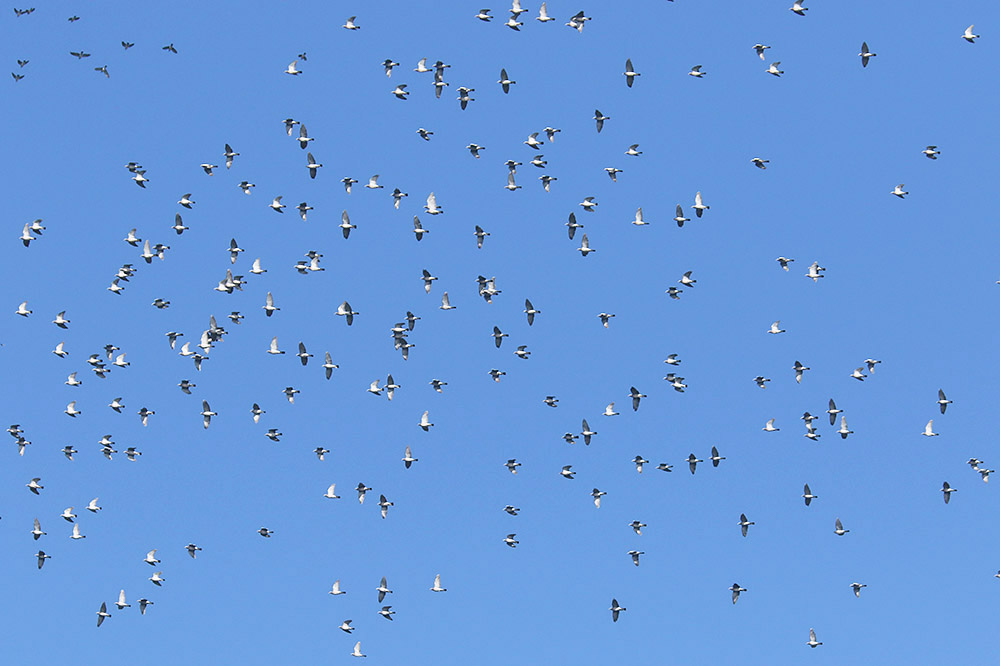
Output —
<point x="910" y="282"/>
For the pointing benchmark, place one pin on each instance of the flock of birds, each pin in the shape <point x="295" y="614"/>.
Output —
<point x="199" y="351"/>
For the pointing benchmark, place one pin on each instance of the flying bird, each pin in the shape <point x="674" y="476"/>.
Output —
<point x="865" y="54"/>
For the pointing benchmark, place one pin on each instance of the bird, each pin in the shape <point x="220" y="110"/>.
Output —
<point x="277" y="206"/>
<point x="760" y="163"/>
<point x="587" y="433"/>
<point x="121" y="601"/>
<point x="585" y="248"/>
<point x="387" y="612"/>
<point x="773" y="69"/>
<point x="26" y="236"/>
<point x="636" y="397"/>
<point x="696" y="72"/>
<point x="692" y="461"/>
<point x="304" y="137"/>
<point x="898" y="191"/>
<point x="630" y="73"/>
<point x="812" y="634"/>
<point x="968" y="36"/>
<point x="635" y="556"/>
<point x="425" y="423"/>
<point x="350" y="25"/>
<point x="312" y="165"/>
<point x="431" y="206"/>
<point x="530" y="311"/>
<point x="759" y="48"/>
<point x="769" y="426"/>
<point x="615" y="610"/>
<point x="400" y="91"/>
<point x="639" y="461"/>
<point x="679" y="218"/>
<point x="36" y="531"/>
<point x="169" y="47"/>
<point x="437" y="584"/>
<point x="857" y="588"/>
<point x="947" y="490"/>
<point x="776" y="328"/>
<point x="801" y="11"/>
<point x="865" y="54"/>
<point x="929" y="429"/>
<point x="150" y="558"/>
<point x="446" y="303"/>
<point x="610" y="410"/>
<point x="716" y="458"/>
<point x="192" y="549"/>
<point x="783" y="262"/>
<point x="103" y="70"/>
<point x="511" y="541"/>
<point x="931" y="152"/>
<point x="600" y="118"/>
<point x="699" y="205"/>
<point x="745" y="524"/>
<point x="567" y="472"/>
<point x="382" y="589"/>
<point x="264" y="532"/>
<point x="808" y="496"/>
<point x="844" y="432"/>
<point x="859" y="374"/>
<point x="207" y="414"/>
<point x="736" y="590"/>
<point x="357" y="650"/>
<point x="942" y="401"/>
<point x="229" y="154"/>
<point x="102" y="614"/>
<point x="345" y="310"/>
<point x="397" y="197"/>
<point x="42" y="557"/>
<point x="345" y="625"/>
<point x="578" y="21"/>
<point x="345" y="225"/>
<point x="839" y="528"/>
<point x="505" y="81"/>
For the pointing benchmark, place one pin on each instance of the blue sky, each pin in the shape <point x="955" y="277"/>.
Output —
<point x="906" y="281"/>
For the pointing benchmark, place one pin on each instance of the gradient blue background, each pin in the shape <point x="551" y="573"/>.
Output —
<point x="910" y="282"/>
